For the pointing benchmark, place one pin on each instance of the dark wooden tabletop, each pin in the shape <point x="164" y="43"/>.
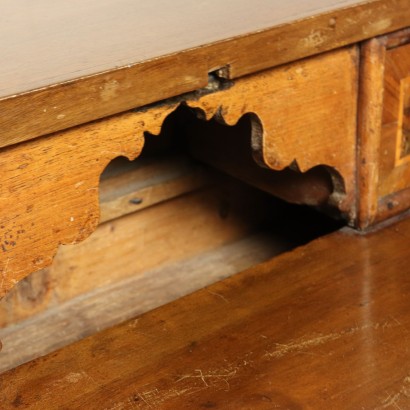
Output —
<point x="325" y="326"/>
<point x="68" y="62"/>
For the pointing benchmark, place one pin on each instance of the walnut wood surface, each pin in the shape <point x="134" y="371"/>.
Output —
<point x="110" y="254"/>
<point x="71" y="38"/>
<point x="70" y="62"/>
<point x="49" y="186"/>
<point x="383" y="127"/>
<point x="114" y="303"/>
<point x="322" y="327"/>
<point x="369" y="129"/>
<point x="135" y="263"/>
<point x="227" y="149"/>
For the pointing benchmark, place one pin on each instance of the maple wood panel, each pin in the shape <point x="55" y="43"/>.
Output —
<point x="49" y="186"/>
<point x="69" y="63"/>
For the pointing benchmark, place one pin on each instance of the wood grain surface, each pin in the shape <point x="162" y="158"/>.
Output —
<point x="126" y="187"/>
<point x="49" y="187"/>
<point x="71" y="62"/>
<point x="322" y="327"/>
<point x="106" y="306"/>
<point x="383" y="128"/>
<point x="303" y="115"/>
<point x="369" y="129"/>
<point x="72" y="38"/>
<point x="54" y="185"/>
<point x="227" y="149"/>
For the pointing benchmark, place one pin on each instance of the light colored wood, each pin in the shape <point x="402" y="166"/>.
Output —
<point x="49" y="190"/>
<point x="228" y="149"/>
<point x="136" y="243"/>
<point x="67" y="64"/>
<point x="369" y="129"/>
<point x="138" y="262"/>
<point x="160" y="235"/>
<point x="322" y="327"/>
<point x="291" y="127"/>
<point x="123" y="299"/>
<point x="153" y="180"/>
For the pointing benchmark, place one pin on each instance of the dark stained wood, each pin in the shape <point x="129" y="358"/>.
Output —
<point x="325" y="326"/>
<point x="70" y="62"/>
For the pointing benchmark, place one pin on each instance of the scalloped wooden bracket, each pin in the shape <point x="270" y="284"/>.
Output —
<point x="49" y="187"/>
<point x="305" y="116"/>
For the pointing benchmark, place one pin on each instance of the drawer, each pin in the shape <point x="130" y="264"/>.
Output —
<point x="49" y="188"/>
<point x="164" y="225"/>
<point x="169" y="225"/>
<point x="385" y="127"/>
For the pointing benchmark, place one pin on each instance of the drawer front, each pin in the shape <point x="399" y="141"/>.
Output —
<point x="395" y="131"/>
<point x="385" y="128"/>
<point x="304" y="117"/>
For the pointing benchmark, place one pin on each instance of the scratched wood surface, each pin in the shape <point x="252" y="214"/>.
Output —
<point x="325" y="326"/>
<point x="71" y="62"/>
<point x="49" y="186"/>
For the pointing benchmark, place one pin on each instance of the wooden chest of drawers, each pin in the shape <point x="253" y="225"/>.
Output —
<point x="311" y="105"/>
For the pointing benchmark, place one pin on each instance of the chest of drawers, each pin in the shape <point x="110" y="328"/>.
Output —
<point x="324" y="91"/>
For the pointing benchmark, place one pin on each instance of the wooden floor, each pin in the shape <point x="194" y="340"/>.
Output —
<point x="325" y="326"/>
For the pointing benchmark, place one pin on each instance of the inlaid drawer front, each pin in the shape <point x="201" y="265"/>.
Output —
<point x="385" y="128"/>
<point x="395" y="131"/>
<point x="403" y="137"/>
